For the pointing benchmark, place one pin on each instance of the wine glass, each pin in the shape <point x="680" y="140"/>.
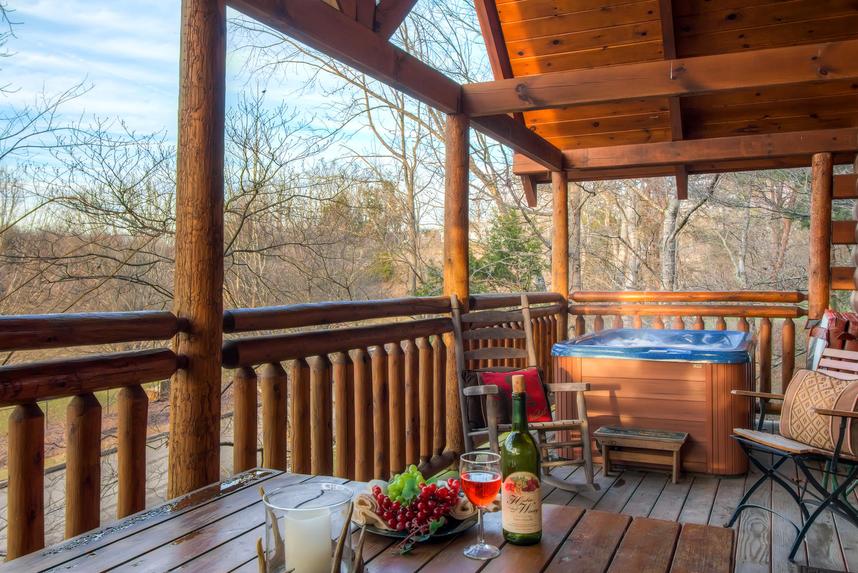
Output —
<point x="481" y="481"/>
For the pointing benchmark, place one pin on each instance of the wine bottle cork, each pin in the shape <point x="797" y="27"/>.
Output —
<point x="518" y="384"/>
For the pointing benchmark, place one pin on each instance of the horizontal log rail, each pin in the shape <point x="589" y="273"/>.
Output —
<point x="44" y="380"/>
<point x="282" y="347"/>
<point x="689" y="296"/>
<point x="723" y="310"/>
<point x="501" y="300"/>
<point x="42" y="331"/>
<point x="323" y="313"/>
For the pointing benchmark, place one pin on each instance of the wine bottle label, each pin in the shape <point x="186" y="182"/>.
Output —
<point x="521" y="503"/>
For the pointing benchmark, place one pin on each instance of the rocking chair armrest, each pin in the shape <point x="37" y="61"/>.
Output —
<point x="761" y="395"/>
<point x="568" y="387"/>
<point x="837" y="413"/>
<point x="480" y="390"/>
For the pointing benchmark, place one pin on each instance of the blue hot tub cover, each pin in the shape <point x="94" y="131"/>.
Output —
<point x="713" y="346"/>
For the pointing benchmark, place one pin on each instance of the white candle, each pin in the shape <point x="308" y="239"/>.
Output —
<point x="307" y="537"/>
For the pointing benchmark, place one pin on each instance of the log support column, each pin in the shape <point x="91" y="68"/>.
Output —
<point x="456" y="278"/>
<point x="819" y="269"/>
<point x="560" y="247"/>
<point x="853" y="298"/>
<point x="195" y="390"/>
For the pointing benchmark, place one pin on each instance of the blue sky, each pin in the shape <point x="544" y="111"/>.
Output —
<point x="126" y="50"/>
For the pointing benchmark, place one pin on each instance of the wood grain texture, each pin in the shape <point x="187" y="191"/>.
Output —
<point x="244" y="391"/>
<point x="321" y="416"/>
<point x="342" y="404"/>
<point x="560" y="243"/>
<point x="456" y="170"/>
<point x="273" y="381"/>
<point x="363" y="415"/>
<point x="396" y="408"/>
<point x="24" y="332"/>
<point x="819" y="274"/>
<point x="133" y="416"/>
<point x="83" y="464"/>
<point x="27" y="382"/>
<point x="380" y="422"/>
<point x="194" y="439"/>
<point x="25" y="510"/>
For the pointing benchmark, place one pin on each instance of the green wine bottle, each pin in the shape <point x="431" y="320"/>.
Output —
<point x="521" y="501"/>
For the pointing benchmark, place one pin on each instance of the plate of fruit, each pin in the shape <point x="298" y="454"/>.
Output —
<point x="410" y="508"/>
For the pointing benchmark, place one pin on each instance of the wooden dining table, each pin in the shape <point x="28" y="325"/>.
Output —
<point x="216" y="528"/>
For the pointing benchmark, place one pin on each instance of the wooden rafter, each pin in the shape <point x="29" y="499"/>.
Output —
<point x="668" y="38"/>
<point x="334" y="33"/>
<point x="389" y="15"/>
<point x="754" y="151"/>
<point x="487" y="15"/>
<point x="365" y="13"/>
<point x="668" y="78"/>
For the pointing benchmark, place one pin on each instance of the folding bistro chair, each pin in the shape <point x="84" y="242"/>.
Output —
<point x="506" y="340"/>
<point x="819" y="433"/>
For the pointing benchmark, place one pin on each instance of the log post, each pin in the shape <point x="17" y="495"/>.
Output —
<point x="580" y="325"/>
<point x="560" y="246"/>
<point x="720" y="323"/>
<point x="340" y="377"/>
<point x="456" y="272"/>
<point x="412" y="401"/>
<point x="83" y="464"/>
<point x="678" y="323"/>
<point x="362" y="416"/>
<point x="194" y="441"/>
<point x="25" y="512"/>
<point x="765" y="355"/>
<point x="617" y="322"/>
<point x="133" y="407"/>
<point x="380" y="447"/>
<point x="699" y="324"/>
<point x="439" y="389"/>
<point x="853" y="298"/>
<point x="637" y="321"/>
<point x="244" y="419"/>
<point x="787" y="353"/>
<point x="300" y="417"/>
<point x="395" y="408"/>
<point x="819" y="269"/>
<point x="598" y="323"/>
<point x="321" y="439"/>
<point x="273" y="380"/>
<point x="424" y="392"/>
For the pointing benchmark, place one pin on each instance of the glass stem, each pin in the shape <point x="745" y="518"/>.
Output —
<point x="482" y="538"/>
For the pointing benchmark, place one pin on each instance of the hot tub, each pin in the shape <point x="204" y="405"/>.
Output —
<point x="677" y="380"/>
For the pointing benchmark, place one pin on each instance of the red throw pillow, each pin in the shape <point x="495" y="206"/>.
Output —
<point x="538" y="409"/>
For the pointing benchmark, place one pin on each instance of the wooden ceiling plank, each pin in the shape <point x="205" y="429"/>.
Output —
<point x="389" y="15"/>
<point x="597" y="57"/>
<point x="599" y="18"/>
<point x="701" y="75"/>
<point x="816" y="31"/>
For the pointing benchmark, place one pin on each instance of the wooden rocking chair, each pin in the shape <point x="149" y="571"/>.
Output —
<point x="507" y="340"/>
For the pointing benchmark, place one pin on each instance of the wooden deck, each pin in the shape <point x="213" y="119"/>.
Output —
<point x="763" y="541"/>
<point x="207" y="527"/>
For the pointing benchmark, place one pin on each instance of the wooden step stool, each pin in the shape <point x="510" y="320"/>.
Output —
<point x="638" y="445"/>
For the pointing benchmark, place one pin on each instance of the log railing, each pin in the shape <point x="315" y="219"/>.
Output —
<point x="746" y="311"/>
<point x="357" y="401"/>
<point x="346" y="396"/>
<point x="24" y="385"/>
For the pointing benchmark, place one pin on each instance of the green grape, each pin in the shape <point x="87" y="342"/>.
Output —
<point x="405" y="487"/>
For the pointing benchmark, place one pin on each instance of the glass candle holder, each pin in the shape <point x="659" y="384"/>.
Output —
<point x="302" y="526"/>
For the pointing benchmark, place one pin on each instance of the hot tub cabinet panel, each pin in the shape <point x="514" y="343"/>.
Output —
<point x="688" y="396"/>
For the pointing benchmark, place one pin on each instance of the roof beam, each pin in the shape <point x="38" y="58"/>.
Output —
<point x="675" y="77"/>
<point x="389" y="15"/>
<point x="773" y="147"/>
<point x="334" y="33"/>
<point x="668" y="39"/>
<point x="490" y="25"/>
<point x="515" y="134"/>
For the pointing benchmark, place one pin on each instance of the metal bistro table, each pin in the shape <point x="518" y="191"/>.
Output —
<point x="215" y="529"/>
